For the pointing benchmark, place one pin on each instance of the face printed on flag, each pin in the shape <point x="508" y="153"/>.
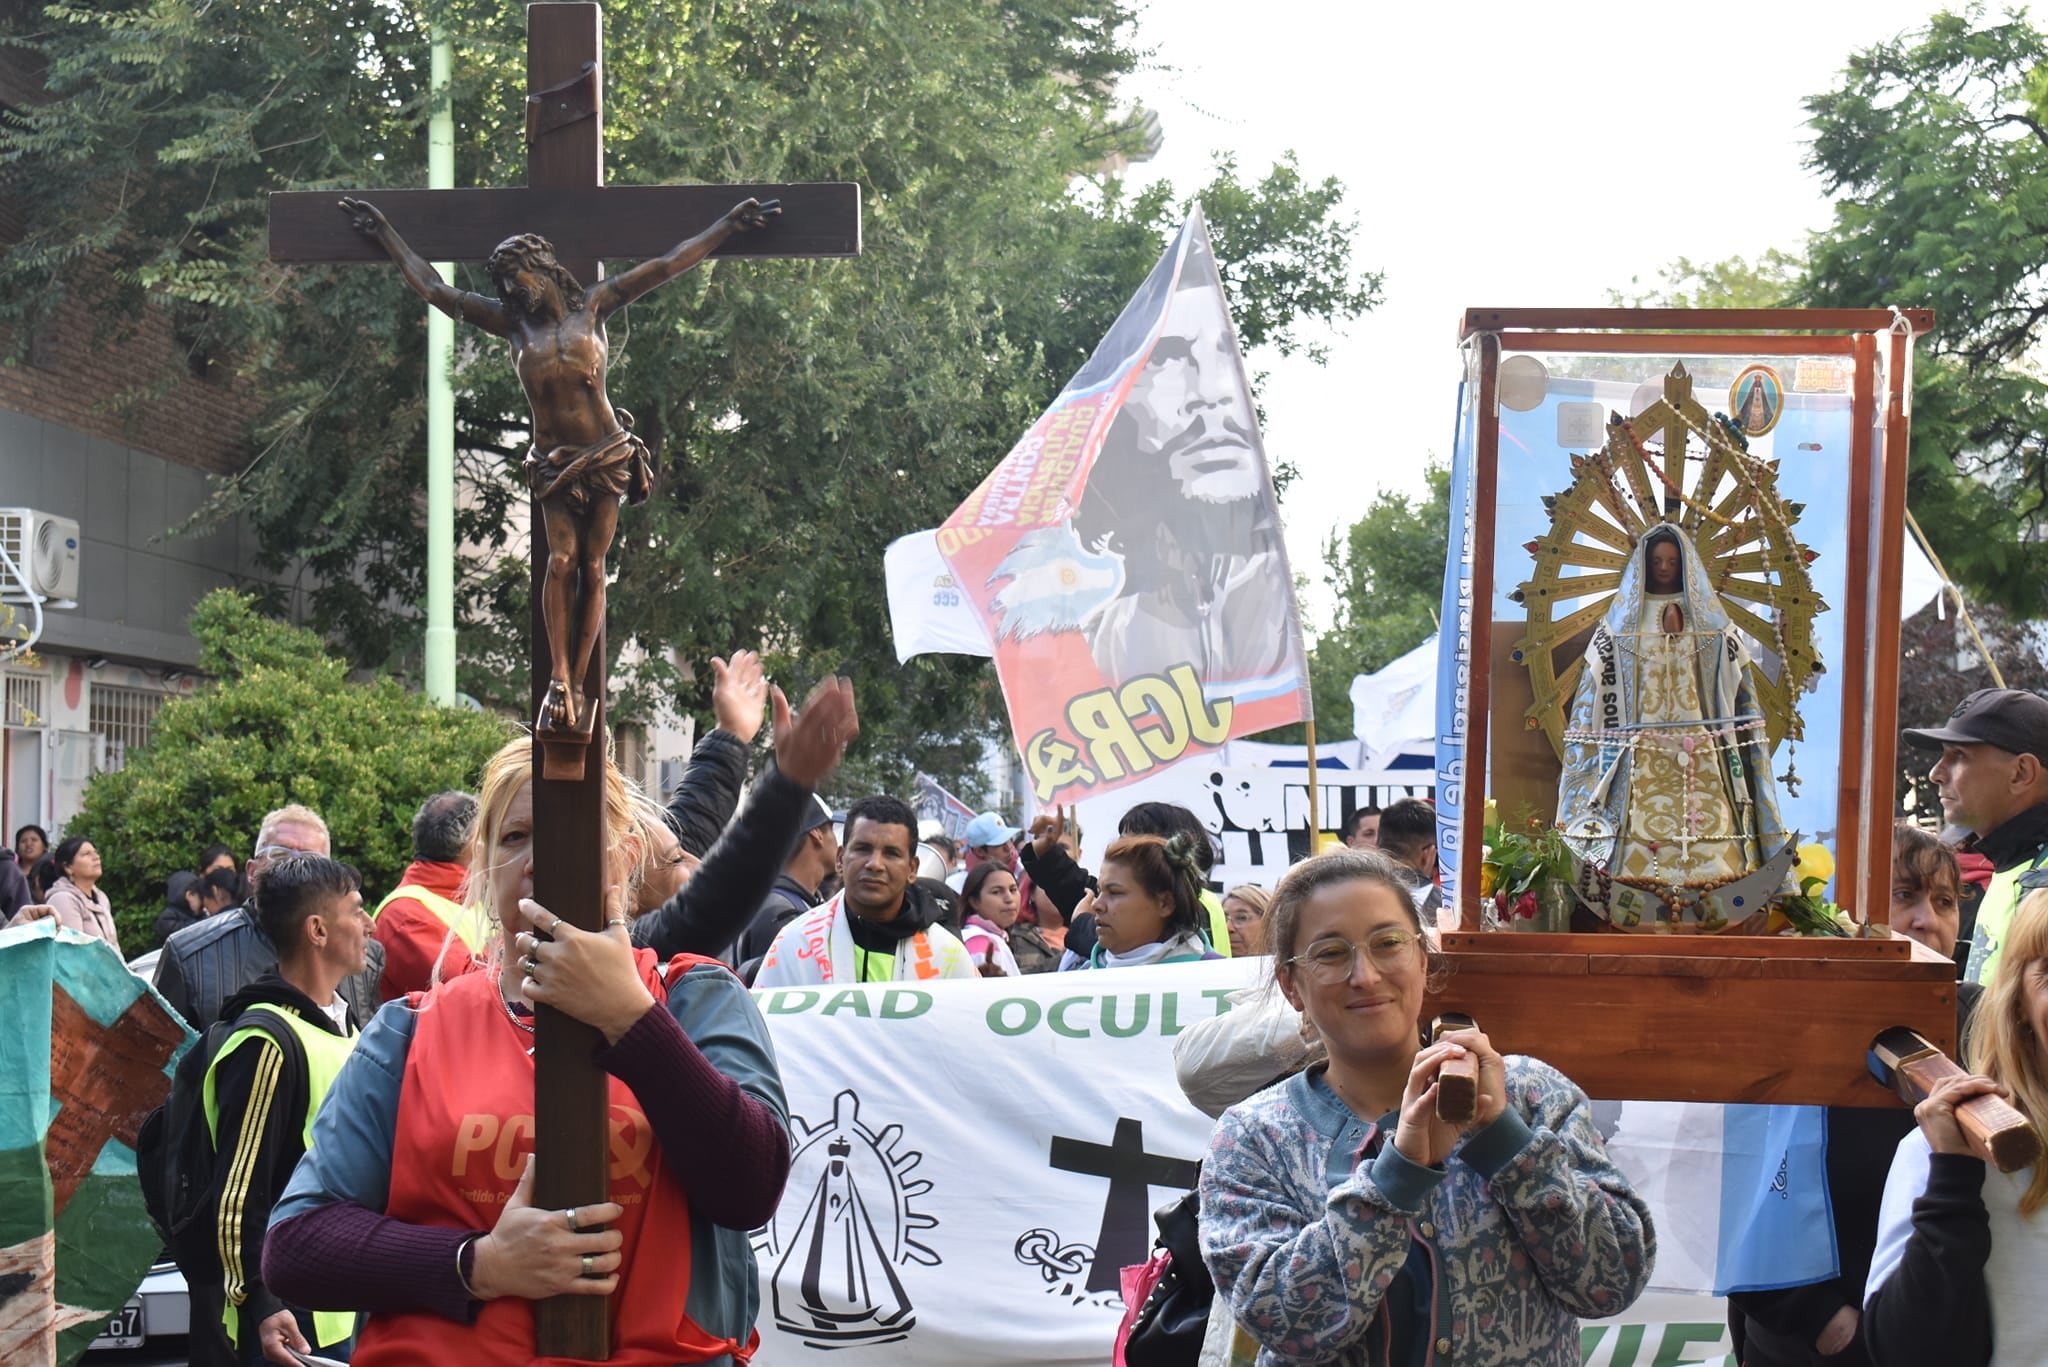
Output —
<point x="1127" y="554"/>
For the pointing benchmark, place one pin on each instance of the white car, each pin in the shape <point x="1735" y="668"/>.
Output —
<point x="152" y="1328"/>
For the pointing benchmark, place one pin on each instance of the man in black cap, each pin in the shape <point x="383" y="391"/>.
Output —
<point x="1993" y="780"/>
<point x="815" y="856"/>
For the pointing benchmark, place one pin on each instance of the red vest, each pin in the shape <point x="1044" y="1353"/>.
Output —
<point x="465" y="1127"/>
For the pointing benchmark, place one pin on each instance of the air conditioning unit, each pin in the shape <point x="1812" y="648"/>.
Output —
<point x="44" y="549"/>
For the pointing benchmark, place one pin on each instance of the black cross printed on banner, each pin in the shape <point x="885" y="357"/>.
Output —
<point x="1127" y="1212"/>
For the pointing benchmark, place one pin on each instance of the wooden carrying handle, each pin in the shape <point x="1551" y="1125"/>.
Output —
<point x="1998" y="1134"/>
<point x="1457" y="1081"/>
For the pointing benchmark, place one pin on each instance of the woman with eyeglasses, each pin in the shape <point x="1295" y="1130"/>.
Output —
<point x="1344" y="1222"/>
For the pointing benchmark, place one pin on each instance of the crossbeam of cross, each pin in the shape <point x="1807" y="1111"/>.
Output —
<point x="565" y="199"/>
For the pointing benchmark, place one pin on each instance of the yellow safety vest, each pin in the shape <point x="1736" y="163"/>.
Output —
<point x="872" y="966"/>
<point x="1994" y="916"/>
<point x="325" y="1053"/>
<point x="451" y="914"/>
<point x="1219" y="927"/>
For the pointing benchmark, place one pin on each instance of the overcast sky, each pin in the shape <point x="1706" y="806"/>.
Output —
<point x="1485" y="148"/>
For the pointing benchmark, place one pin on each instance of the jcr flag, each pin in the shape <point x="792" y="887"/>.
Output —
<point x="1126" y="556"/>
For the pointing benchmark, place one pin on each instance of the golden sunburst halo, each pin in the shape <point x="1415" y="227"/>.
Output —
<point x="1730" y="508"/>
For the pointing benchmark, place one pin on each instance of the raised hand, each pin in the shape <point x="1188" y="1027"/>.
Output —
<point x="988" y="966"/>
<point x="366" y="218"/>
<point x="534" y="1253"/>
<point x="809" y="745"/>
<point x="1047" y="829"/>
<point x="749" y="214"/>
<point x="739" y="694"/>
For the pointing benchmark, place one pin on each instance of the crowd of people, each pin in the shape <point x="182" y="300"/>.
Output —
<point x="358" y="1047"/>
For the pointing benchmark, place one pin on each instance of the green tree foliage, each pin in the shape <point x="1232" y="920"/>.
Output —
<point x="1735" y="282"/>
<point x="279" y="723"/>
<point x="1935" y="145"/>
<point x="1939" y="666"/>
<point x="805" y="413"/>
<point x="1388" y="574"/>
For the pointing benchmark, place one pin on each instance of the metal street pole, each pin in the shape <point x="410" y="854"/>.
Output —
<point x="440" y="644"/>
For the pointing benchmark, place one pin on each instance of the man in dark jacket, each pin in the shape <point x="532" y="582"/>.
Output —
<point x="704" y="801"/>
<point x="1992" y="778"/>
<point x="266" y="1082"/>
<point x="205" y="964"/>
<point x="816" y="855"/>
<point x="882" y="925"/>
<point x="719" y="901"/>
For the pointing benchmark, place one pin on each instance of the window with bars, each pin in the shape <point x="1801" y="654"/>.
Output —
<point x="122" y="717"/>
<point x="23" y="701"/>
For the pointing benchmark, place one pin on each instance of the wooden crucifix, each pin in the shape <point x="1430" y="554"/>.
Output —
<point x="544" y="244"/>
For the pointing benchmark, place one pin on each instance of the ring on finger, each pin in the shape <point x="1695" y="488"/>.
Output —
<point x="533" y="967"/>
<point x="570" y="1216"/>
<point x="586" y="1264"/>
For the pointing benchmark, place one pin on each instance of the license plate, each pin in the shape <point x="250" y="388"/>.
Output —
<point x="124" y="1330"/>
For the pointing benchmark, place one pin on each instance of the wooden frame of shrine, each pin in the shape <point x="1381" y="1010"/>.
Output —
<point x="1702" y="1017"/>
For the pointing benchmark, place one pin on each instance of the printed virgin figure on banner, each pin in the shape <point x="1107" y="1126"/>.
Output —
<point x="1126" y="556"/>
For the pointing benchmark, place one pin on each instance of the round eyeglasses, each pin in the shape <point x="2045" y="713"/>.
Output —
<point x="1333" y="960"/>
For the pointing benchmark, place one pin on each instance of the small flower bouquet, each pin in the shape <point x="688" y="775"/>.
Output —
<point x="1806" y="912"/>
<point x="1528" y="874"/>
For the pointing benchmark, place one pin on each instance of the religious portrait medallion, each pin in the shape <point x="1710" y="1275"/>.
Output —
<point x="1757" y="399"/>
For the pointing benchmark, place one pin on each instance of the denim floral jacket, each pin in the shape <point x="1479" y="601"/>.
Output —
<point x="1527" y="1227"/>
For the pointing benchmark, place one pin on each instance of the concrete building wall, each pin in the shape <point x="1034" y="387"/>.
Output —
<point x="137" y="577"/>
<point x="131" y="475"/>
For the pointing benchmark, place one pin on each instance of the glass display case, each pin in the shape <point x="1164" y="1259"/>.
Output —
<point x="1668" y="744"/>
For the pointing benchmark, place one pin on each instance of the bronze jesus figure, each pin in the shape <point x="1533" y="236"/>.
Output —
<point x="585" y="458"/>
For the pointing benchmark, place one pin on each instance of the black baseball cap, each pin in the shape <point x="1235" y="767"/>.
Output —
<point x="2012" y="719"/>
<point x="815" y="815"/>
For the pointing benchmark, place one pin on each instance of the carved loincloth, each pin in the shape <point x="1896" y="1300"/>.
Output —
<point x="616" y="466"/>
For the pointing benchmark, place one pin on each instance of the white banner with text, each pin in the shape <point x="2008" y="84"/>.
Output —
<point x="976" y="1160"/>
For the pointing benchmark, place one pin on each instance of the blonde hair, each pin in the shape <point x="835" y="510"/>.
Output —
<point x="2002" y="1045"/>
<point x="1253" y="896"/>
<point x="292" y="815"/>
<point x="627" y="812"/>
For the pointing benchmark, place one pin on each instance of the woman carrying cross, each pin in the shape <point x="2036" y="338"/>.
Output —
<point x="415" y="1199"/>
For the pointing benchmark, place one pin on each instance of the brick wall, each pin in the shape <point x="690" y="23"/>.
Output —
<point x="78" y="380"/>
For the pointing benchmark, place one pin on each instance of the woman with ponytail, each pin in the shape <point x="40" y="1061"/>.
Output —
<point x="1147" y="906"/>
